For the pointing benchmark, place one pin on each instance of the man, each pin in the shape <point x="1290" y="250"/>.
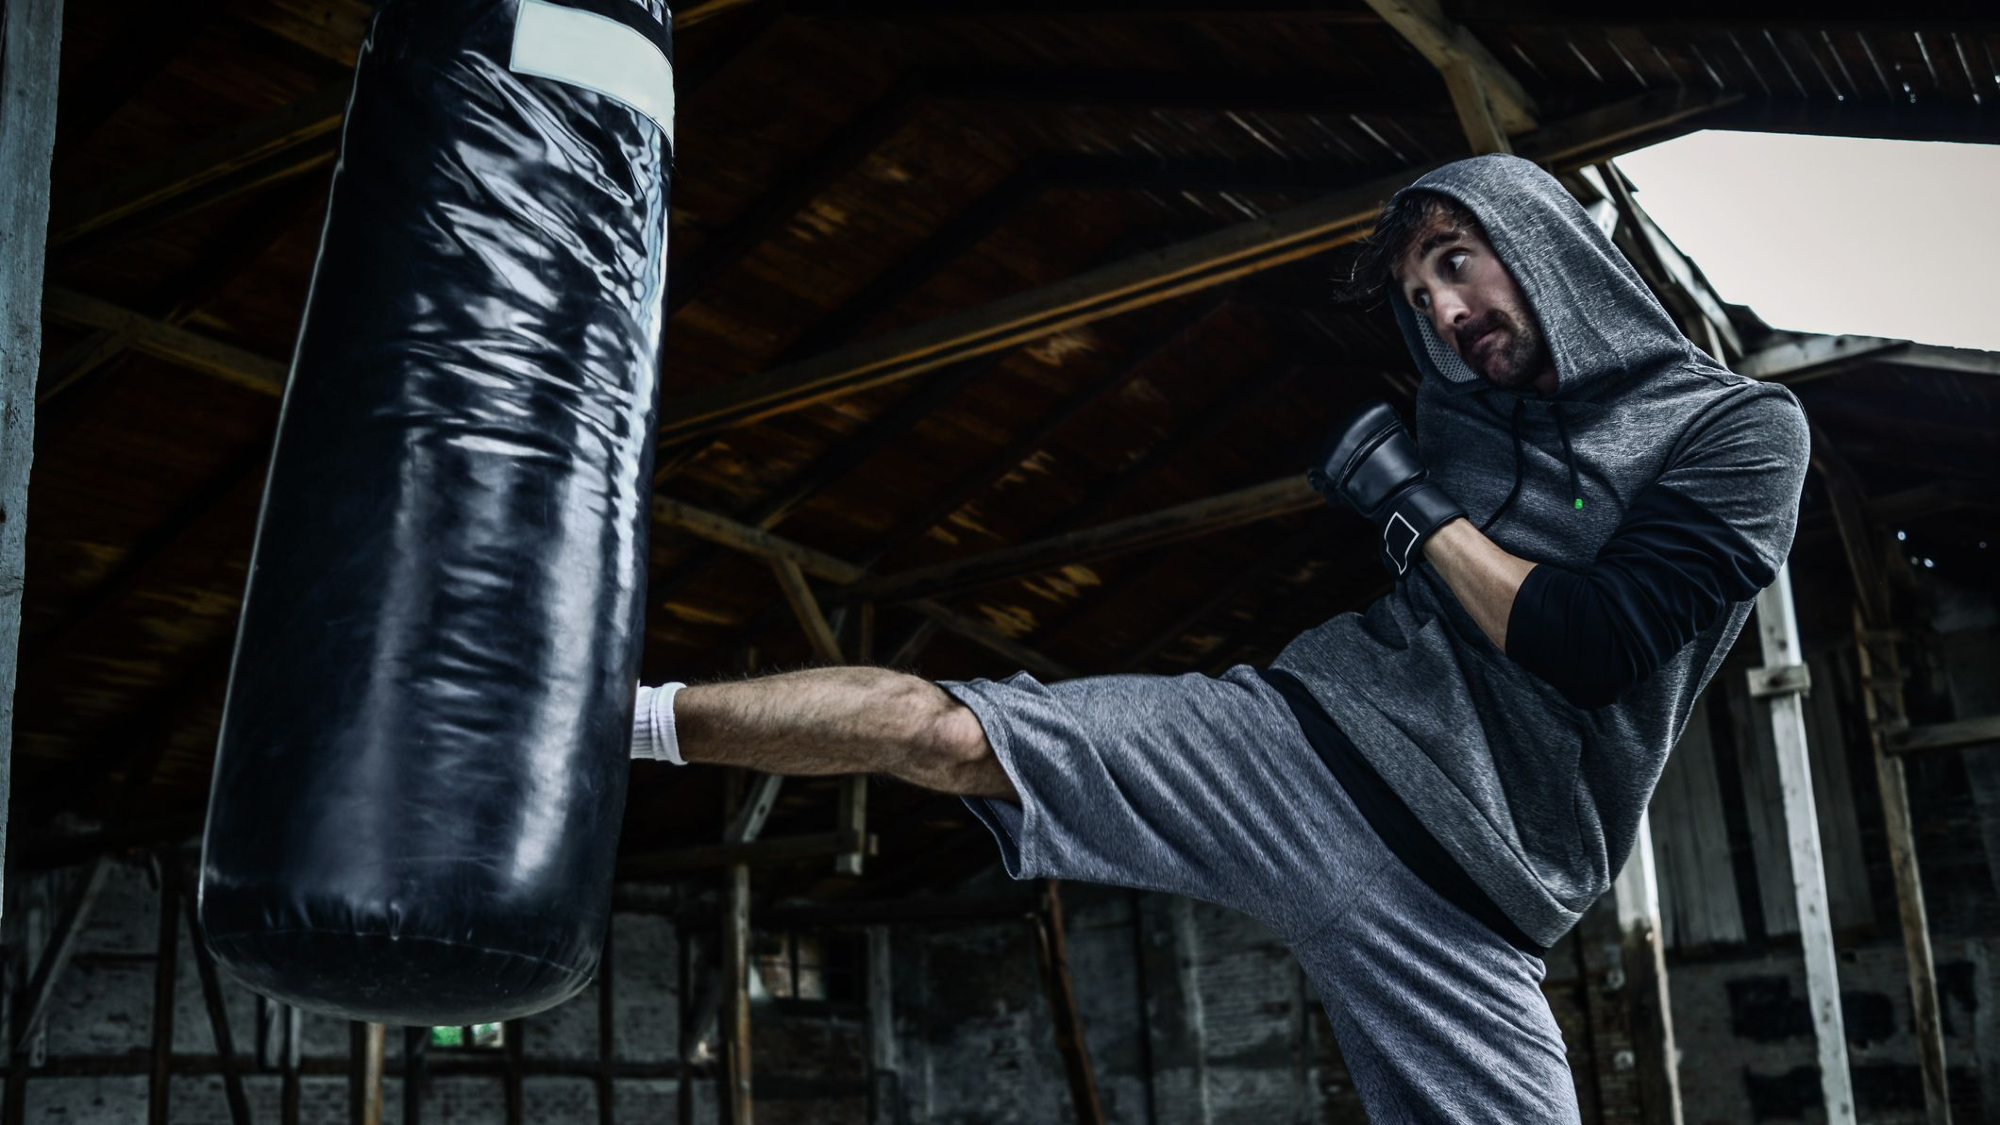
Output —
<point x="1420" y="798"/>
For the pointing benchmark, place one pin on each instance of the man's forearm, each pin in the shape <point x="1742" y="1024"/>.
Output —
<point x="838" y="721"/>
<point x="1483" y="576"/>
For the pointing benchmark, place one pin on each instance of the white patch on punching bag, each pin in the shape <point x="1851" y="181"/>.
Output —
<point x="588" y="50"/>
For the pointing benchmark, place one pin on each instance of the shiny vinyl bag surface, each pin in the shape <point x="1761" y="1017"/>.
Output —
<point x="422" y="768"/>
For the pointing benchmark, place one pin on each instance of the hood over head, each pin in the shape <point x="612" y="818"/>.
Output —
<point x="1598" y="318"/>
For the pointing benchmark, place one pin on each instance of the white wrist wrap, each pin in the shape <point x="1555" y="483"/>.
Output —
<point x="653" y="734"/>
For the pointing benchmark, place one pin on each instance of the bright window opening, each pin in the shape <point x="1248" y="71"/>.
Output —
<point x="1837" y="235"/>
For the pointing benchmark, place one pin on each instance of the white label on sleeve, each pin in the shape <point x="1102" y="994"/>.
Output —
<point x="588" y="50"/>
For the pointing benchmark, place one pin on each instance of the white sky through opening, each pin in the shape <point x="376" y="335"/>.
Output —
<point x="1837" y="234"/>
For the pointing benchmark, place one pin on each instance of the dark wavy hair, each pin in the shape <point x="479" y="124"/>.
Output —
<point x="1398" y="228"/>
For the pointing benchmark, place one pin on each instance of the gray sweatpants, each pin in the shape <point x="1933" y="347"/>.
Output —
<point x="1206" y="787"/>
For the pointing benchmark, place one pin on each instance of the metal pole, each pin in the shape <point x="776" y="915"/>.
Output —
<point x="1782" y="683"/>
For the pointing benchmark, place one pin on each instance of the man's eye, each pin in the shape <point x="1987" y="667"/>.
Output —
<point x="1454" y="259"/>
<point x="1421" y="301"/>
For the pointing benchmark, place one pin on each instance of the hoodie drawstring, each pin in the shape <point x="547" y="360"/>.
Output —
<point x="1569" y="462"/>
<point x="1569" y="458"/>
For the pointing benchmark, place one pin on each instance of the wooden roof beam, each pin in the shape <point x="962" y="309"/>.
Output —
<point x="180" y="346"/>
<point x="1206" y="516"/>
<point x="1806" y="357"/>
<point x="1491" y="104"/>
<point x="718" y="528"/>
<point x="1147" y="279"/>
<point x="285" y="142"/>
<point x="1964" y="16"/>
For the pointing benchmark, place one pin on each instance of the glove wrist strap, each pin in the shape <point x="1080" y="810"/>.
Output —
<point x="1413" y="517"/>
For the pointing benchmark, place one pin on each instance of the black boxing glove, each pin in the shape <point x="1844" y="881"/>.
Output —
<point x="1371" y="466"/>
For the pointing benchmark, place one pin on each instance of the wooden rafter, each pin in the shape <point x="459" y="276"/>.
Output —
<point x="1804" y="358"/>
<point x="285" y="142"/>
<point x="843" y="151"/>
<point x="1009" y="457"/>
<point x="1147" y="279"/>
<point x="234" y="250"/>
<point x="181" y="346"/>
<point x="837" y="463"/>
<point x="1153" y="529"/>
<point x="1223" y="595"/>
<point x="1491" y="104"/>
<point x="763" y="544"/>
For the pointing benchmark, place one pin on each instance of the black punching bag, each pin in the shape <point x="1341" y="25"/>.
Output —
<point x="423" y="759"/>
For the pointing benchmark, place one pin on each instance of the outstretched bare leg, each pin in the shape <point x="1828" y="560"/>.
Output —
<point x="842" y="720"/>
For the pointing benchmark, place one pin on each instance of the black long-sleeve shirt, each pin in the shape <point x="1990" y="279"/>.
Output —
<point x="1671" y="569"/>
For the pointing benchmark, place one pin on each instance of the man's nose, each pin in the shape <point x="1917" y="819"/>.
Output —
<point x="1451" y="311"/>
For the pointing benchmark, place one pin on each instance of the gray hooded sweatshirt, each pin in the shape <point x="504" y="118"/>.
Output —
<point x="1535" y="795"/>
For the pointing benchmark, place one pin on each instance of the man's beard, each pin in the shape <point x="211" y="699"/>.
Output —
<point x="1513" y="358"/>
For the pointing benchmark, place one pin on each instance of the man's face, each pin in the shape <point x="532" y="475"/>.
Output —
<point x="1452" y="277"/>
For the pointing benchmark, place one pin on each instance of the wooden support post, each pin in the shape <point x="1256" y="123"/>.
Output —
<point x="805" y="607"/>
<point x="1784" y="673"/>
<point x="1882" y="695"/>
<point x="1475" y="109"/>
<point x="416" y="1047"/>
<point x="1636" y="894"/>
<point x="218" y="1015"/>
<point x="30" y="43"/>
<point x="1502" y="104"/>
<point x="158" y="1085"/>
<point x="1881" y="670"/>
<point x="735" y="1017"/>
<point x="365" y="1043"/>
<point x="883" y="1087"/>
<point x="288" y="1093"/>
<point x="1053" y="952"/>
<point x="510" y="1047"/>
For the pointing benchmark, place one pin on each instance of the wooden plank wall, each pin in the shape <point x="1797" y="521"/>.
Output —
<point x="1833" y="793"/>
<point x="1698" y="906"/>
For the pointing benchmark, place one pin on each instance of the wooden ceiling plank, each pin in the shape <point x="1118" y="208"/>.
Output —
<point x="1196" y="518"/>
<point x="940" y="249"/>
<point x="1224" y="594"/>
<point x="285" y="141"/>
<point x="156" y="337"/>
<point x="841" y="153"/>
<point x="843" y="458"/>
<point x="1009" y="457"/>
<point x="719" y="528"/>
<point x="146" y="44"/>
<point x="1207" y="420"/>
<point x="1147" y="279"/>
<point x="234" y="251"/>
